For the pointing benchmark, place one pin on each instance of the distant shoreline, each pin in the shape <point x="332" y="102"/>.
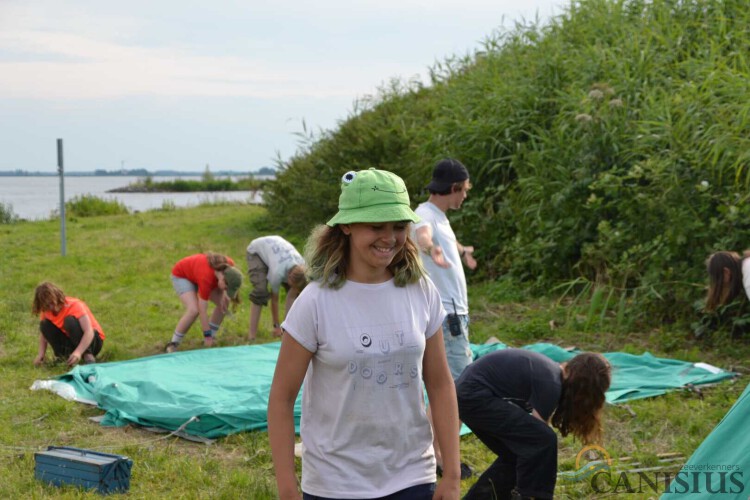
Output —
<point x="132" y="174"/>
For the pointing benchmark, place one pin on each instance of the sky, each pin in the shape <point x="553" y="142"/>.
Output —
<point x="182" y="84"/>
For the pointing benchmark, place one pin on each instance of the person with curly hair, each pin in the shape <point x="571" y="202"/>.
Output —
<point x="509" y="398"/>
<point x="66" y="324"/>
<point x="198" y="279"/>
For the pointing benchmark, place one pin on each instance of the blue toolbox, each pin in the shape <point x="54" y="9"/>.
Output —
<point x="89" y="469"/>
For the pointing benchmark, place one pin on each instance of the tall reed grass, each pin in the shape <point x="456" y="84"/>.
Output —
<point x="609" y="147"/>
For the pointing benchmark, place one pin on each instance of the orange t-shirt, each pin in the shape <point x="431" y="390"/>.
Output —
<point x="76" y="308"/>
<point x="197" y="270"/>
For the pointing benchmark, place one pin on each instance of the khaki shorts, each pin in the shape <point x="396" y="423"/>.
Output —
<point x="257" y="271"/>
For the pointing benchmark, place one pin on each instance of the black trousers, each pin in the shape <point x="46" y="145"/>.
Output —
<point x="526" y="448"/>
<point x="64" y="345"/>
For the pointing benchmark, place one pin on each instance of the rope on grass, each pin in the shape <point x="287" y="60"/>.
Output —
<point x="177" y="432"/>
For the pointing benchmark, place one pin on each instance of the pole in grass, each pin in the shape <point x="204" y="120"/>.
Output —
<point x="61" y="171"/>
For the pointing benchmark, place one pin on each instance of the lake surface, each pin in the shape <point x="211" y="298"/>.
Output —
<point x="35" y="198"/>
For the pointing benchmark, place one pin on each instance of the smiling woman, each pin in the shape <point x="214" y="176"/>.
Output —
<point x="372" y="248"/>
<point x="369" y="324"/>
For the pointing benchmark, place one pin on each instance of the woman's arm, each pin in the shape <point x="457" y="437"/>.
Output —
<point x="203" y="314"/>
<point x="275" y="314"/>
<point x="442" y="394"/>
<point x="287" y="379"/>
<point x="86" y="339"/>
<point x="291" y="296"/>
<point x="42" y="350"/>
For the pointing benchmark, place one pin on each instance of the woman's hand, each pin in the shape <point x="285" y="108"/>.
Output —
<point x="74" y="359"/>
<point x="39" y="360"/>
<point x="448" y="489"/>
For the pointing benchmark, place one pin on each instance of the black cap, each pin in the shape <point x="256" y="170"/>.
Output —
<point x="446" y="173"/>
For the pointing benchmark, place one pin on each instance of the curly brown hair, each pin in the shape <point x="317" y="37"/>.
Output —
<point x="586" y="379"/>
<point x="217" y="261"/>
<point x="296" y="278"/>
<point x="47" y="297"/>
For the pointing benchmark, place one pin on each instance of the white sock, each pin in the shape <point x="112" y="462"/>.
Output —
<point x="177" y="337"/>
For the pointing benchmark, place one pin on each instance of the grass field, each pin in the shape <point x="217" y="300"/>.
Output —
<point x="120" y="266"/>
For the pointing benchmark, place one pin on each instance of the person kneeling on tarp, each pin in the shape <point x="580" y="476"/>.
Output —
<point x="66" y="323"/>
<point x="507" y="398"/>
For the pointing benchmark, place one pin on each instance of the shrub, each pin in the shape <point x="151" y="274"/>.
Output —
<point x="90" y="206"/>
<point x="7" y="215"/>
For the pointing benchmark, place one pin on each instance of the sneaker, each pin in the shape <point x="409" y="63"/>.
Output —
<point x="172" y="347"/>
<point x="466" y="471"/>
<point x="89" y="358"/>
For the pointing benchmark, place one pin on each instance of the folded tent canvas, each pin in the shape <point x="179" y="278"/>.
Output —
<point x="212" y="393"/>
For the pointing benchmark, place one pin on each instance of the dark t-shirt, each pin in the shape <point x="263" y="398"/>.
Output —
<point x="526" y="378"/>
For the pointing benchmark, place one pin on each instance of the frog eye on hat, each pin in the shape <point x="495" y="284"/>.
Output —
<point x="349" y="176"/>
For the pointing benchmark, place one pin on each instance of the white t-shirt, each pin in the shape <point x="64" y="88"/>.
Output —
<point x="279" y="255"/>
<point x="746" y="275"/>
<point x="450" y="282"/>
<point x="364" y="423"/>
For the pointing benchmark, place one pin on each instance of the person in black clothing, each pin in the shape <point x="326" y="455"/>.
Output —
<point x="508" y="397"/>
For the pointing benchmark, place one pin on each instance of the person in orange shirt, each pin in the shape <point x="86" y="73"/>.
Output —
<point x="66" y="323"/>
<point x="197" y="279"/>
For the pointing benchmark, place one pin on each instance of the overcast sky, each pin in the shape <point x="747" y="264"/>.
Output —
<point x="167" y="84"/>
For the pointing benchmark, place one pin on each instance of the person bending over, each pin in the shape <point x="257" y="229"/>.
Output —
<point x="198" y="279"/>
<point x="271" y="260"/>
<point x="508" y="397"/>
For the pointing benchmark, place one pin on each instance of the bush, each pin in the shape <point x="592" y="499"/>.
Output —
<point x="7" y="215"/>
<point x="90" y="206"/>
<point x="609" y="148"/>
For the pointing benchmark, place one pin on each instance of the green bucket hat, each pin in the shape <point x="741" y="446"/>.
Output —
<point x="373" y="196"/>
<point x="233" y="277"/>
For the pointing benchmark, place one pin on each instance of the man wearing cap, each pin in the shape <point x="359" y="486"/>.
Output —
<point x="443" y="258"/>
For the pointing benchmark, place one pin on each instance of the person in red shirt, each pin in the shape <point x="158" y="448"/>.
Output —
<point x="197" y="279"/>
<point x="66" y="323"/>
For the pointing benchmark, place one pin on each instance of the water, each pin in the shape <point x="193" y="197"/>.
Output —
<point x="34" y="198"/>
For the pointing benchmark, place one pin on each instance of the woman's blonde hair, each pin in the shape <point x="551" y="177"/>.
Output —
<point x="327" y="256"/>
<point x="47" y="297"/>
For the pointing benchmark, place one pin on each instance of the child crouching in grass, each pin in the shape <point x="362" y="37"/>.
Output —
<point x="66" y="323"/>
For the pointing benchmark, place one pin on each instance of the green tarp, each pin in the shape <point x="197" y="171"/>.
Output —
<point x="216" y="392"/>
<point x="720" y="467"/>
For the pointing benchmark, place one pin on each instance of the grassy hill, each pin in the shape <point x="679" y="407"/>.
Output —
<point x="608" y="150"/>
